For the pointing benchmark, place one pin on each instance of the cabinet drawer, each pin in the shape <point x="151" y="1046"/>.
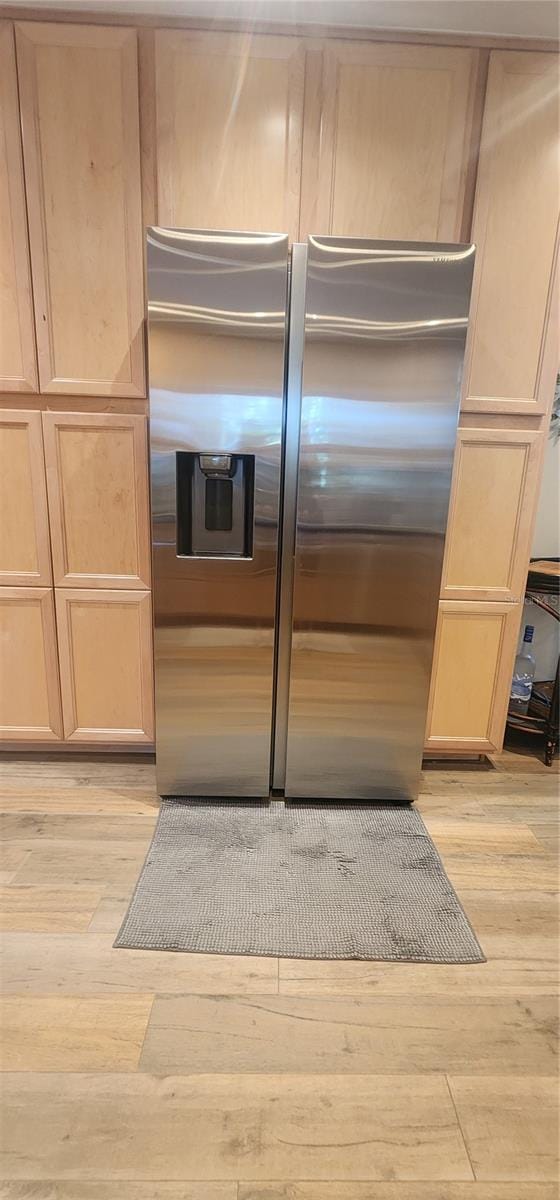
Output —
<point x="105" y="647"/>
<point x="473" y="663"/>
<point x="29" y="691"/>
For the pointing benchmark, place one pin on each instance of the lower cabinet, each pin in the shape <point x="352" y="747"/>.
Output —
<point x="105" y="649"/>
<point x="82" y="673"/>
<point x="75" y="660"/>
<point x="473" y="661"/>
<point x="30" y="707"/>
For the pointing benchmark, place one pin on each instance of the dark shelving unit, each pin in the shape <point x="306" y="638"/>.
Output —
<point x="542" y="589"/>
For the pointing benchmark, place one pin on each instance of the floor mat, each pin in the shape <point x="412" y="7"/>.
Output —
<point x="296" y="880"/>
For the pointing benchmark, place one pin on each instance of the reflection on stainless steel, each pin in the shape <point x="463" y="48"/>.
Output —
<point x="381" y="384"/>
<point x="318" y="671"/>
<point x="217" y="307"/>
<point x="217" y="316"/>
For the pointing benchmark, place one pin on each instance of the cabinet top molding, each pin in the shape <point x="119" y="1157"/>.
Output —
<point x="312" y="33"/>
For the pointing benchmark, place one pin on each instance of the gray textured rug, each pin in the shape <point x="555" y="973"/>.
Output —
<point x="298" y="881"/>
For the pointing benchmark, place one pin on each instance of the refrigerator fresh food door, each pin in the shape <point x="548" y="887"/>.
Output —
<point x="217" y="323"/>
<point x="385" y="331"/>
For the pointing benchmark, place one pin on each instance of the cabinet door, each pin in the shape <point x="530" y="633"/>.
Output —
<point x="97" y="478"/>
<point x="393" y="142"/>
<point x="491" y="514"/>
<point x="29" y="691"/>
<point x="105" y="647"/>
<point x="512" y="366"/>
<point x="79" y="111"/>
<point x="24" y="525"/>
<point x="18" y="369"/>
<point x="473" y="664"/>
<point x="229" y="130"/>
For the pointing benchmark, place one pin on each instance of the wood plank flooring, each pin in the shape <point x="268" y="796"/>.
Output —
<point x="130" y="1075"/>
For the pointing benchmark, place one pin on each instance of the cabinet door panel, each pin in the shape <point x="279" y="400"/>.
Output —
<point x="510" y="367"/>
<point x="29" y="691"/>
<point x="229" y="130"/>
<point x="394" y="141"/>
<point x="105" y="646"/>
<point x="490" y="516"/>
<point x="98" y="499"/>
<point x="79" y="108"/>
<point x="24" y="525"/>
<point x="473" y="663"/>
<point x="18" y="368"/>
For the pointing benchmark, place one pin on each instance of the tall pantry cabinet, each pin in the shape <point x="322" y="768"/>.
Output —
<point x="509" y="382"/>
<point x="76" y="662"/>
<point x="106" y="129"/>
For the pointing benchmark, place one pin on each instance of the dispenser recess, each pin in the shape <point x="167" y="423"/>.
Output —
<point x="215" y="501"/>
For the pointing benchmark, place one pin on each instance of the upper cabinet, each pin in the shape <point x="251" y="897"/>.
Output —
<point x="229" y="114"/>
<point x="392" y="128"/>
<point x="79" y="112"/>
<point x="512" y="361"/>
<point x="18" y="370"/>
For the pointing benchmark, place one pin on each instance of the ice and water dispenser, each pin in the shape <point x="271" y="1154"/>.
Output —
<point x="215" y="505"/>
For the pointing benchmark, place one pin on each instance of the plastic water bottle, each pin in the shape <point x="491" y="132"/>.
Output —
<point x="523" y="675"/>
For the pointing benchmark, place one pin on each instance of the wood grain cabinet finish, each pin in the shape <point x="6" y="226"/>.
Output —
<point x="98" y="499"/>
<point x="229" y="130"/>
<point x="514" y="338"/>
<point x="473" y="662"/>
<point x="79" y="112"/>
<point x="105" y="648"/>
<point x="25" y="556"/>
<point x="29" y="683"/>
<point x="18" y="368"/>
<point x="393" y="128"/>
<point x="490" y="516"/>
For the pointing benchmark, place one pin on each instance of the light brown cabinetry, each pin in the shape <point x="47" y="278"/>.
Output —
<point x="474" y="648"/>
<point x="29" y="685"/>
<point x="25" y="556"/>
<point x="18" y="369"/>
<point x="87" y="677"/>
<point x="98" y="499"/>
<point x="284" y="133"/>
<point x="512" y="361"/>
<point x="393" y="127"/>
<point x="229" y="112"/>
<point x="511" y="365"/>
<point x="79" y="113"/>
<point x="105" y="644"/>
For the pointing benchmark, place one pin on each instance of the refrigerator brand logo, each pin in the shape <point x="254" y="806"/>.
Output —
<point x="442" y="258"/>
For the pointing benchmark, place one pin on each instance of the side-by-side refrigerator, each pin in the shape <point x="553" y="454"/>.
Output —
<point x="303" y="416"/>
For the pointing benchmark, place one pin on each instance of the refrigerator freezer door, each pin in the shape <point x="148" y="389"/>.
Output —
<point x="385" y="333"/>
<point x="217" y="318"/>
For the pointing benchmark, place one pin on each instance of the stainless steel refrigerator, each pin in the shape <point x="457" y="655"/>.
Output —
<point x="303" y="415"/>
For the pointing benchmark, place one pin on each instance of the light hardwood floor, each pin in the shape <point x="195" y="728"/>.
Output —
<point x="131" y="1075"/>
